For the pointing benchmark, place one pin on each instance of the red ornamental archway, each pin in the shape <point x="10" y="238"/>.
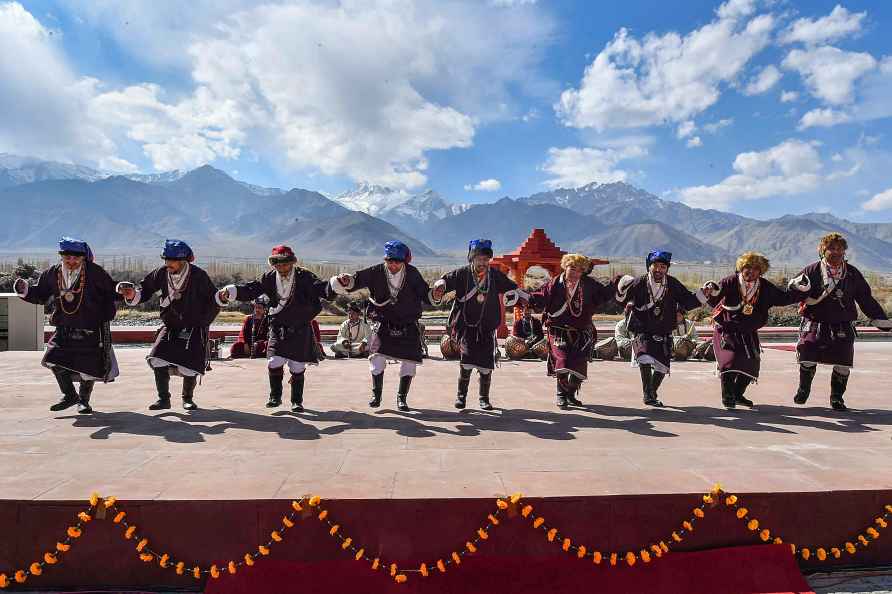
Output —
<point x="536" y="250"/>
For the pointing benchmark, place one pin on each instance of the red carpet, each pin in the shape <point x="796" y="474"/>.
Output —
<point x="737" y="570"/>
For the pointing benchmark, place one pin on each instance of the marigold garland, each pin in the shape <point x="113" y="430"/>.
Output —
<point x="645" y="554"/>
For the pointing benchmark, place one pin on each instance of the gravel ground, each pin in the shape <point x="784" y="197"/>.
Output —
<point x="877" y="581"/>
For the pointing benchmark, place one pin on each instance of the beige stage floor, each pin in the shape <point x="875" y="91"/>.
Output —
<point x="235" y="448"/>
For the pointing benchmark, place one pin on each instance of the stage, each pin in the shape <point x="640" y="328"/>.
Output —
<point x="213" y="483"/>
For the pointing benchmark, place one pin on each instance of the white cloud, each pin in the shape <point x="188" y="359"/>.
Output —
<point x="511" y="3"/>
<point x="694" y="142"/>
<point x="838" y="24"/>
<point x="881" y="201"/>
<point x="45" y="105"/>
<point x="573" y="167"/>
<point x="764" y="81"/>
<point x="668" y="77"/>
<point x="736" y="8"/>
<point x="789" y="96"/>
<point x="485" y="185"/>
<point x="789" y="168"/>
<point x="714" y="127"/>
<point x="334" y="99"/>
<point x="685" y="129"/>
<point x="823" y="118"/>
<point x="829" y="72"/>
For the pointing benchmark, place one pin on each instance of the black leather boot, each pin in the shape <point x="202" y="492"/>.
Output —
<point x="646" y="378"/>
<point x="297" y="392"/>
<point x="562" y="390"/>
<point x="83" y="405"/>
<point x="69" y="395"/>
<point x="162" y="385"/>
<point x="742" y="383"/>
<point x="377" y="389"/>
<point x="575" y="384"/>
<point x="464" y="380"/>
<point x="189" y="383"/>
<point x="276" y="376"/>
<point x="485" y="383"/>
<point x="729" y="396"/>
<point x="403" y="392"/>
<point x="655" y="381"/>
<point x="806" y="375"/>
<point x="838" y="383"/>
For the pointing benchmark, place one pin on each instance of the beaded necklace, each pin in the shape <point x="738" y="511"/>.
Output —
<point x="67" y="293"/>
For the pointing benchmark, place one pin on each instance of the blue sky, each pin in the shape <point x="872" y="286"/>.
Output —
<point x="760" y="107"/>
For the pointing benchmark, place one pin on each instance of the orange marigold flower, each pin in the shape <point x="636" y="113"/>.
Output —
<point x="128" y="534"/>
<point x="275" y="536"/>
<point x="645" y="556"/>
<point x="881" y="522"/>
<point x="74" y="532"/>
<point x="50" y="559"/>
<point x="163" y="560"/>
<point x="215" y="573"/>
<point x="146" y="557"/>
<point x="180" y="568"/>
<point x="334" y="529"/>
<point x="392" y="569"/>
<point x="836" y="553"/>
<point x="501" y="504"/>
<point x="314" y="501"/>
<point x="346" y="544"/>
<point x="516" y="497"/>
<point x="742" y="512"/>
<point x="526" y="511"/>
<point x="698" y="512"/>
<point x="872" y="532"/>
<point x="94" y="499"/>
<point x="862" y="540"/>
<point x="580" y="551"/>
<point x="778" y="540"/>
<point x="423" y="569"/>
<point x="84" y="517"/>
<point x="538" y="522"/>
<point x="805" y="554"/>
<point x="249" y="560"/>
<point x="196" y="572"/>
<point x="359" y="554"/>
<point x="21" y="576"/>
<point x="36" y="569"/>
<point x="297" y="506"/>
<point x="707" y="499"/>
<point x="4" y="581"/>
<point x="119" y="517"/>
<point x="613" y="558"/>
<point x="441" y="566"/>
<point x="551" y="534"/>
<point x="566" y="544"/>
<point x="286" y="522"/>
<point x="109" y="502"/>
<point x="376" y="563"/>
<point x="664" y="546"/>
<point x="456" y="558"/>
<point x="792" y="548"/>
<point x="687" y="526"/>
<point x="631" y="559"/>
<point x="731" y="500"/>
<point x="597" y="557"/>
<point x="765" y="535"/>
<point x="471" y="548"/>
<point x="230" y="567"/>
<point x="676" y="537"/>
<point x="753" y="524"/>
<point x="482" y="534"/>
<point x="323" y="514"/>
<point x="62" y="547"/>
<point x="821" y="554"/>
<point x="263" y="550"/>
<point x="850" y="548"/>
<point x="492" y="519"/>
<point x="142" y="544"/>
<point x="401" y="578"/>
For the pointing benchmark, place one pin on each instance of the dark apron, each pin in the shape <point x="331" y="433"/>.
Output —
<point x="186" y="347"/>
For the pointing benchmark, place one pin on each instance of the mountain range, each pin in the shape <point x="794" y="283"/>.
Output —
<point x="226" y="217"/>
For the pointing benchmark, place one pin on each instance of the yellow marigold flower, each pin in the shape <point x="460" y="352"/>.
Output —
<point x="862" y="540"/>
<point x="297" y="506"/>
<point x="323" y="514"/>
<point x="516" y="497"/>
<point x="196" y="572"/>
<point x="94" y="499"/>
<point x="50" y="559"/>
<point x="62" y="547"/>
<point x="456" y="558"/>
<point x="676" y="537"/>
<point x="74" y="532"/>
<point x="836" y="553"/>
<point x="21" y="576"/>
<point x="716" y="489"/>
<point x="263" y="550"/>
<point x="631" y="558"/>
<point x="4" y="581"/>
<point x="492" y="519"/>
<point x="441" y="566"/>
<point x="376" y="563"/>
<point x="805" y="554"/>
<point x="698" y="512"/>
<point x="687" y="526"/>
<point x="580" y="551"/>
<point x="778" y="540"/>
<point x="872" y="532"/>
<point x="119" y="517"/>
<point x="146" y="557"/>
<point x="707" y="499"/>
<point x="753" y="524"/>
<point x="482" y="534"/>
<point x="526" y="511"/>
<point x="215" y="573"/>
<point x="109" y="502"/>
<point x="84" y="517"/>
<point x="645" y="556"/>
<point x="471" y="548"/>
<point x="551" y="534"/>
<point x="566" y="544"/>
<point x="613" y="558"/>
<point x="287" y="523"/>
<point x="731" y="500"/>
<point x="275" y="536"/>
<point x="741" y="513"/>
<point x="664" y="546"/>
<point x="36" y="569"/>
<point x="538" y="522"/>
<point x="597" y="557"/>
<point x="128" y="534"/>
<point x="850" y="548"/>
<point x="821" y="554"/>
<point x="230" y="567"/>
<point x="392" y="569"/>
<point x="401" y="578"/>
<point x="249" y="560"/>
<point x="141" y="545"/>
<point x="334" y="529"/>
<point x="359" y="554"/>
<point x="423" y="569"/>
<point x="346" y="544"/>
<point x="501" y="504"/>
<point x="180" y="568"/>
<point x="314" y="501"/>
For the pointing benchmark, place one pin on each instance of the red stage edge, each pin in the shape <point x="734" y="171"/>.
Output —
<point x="412" y="531"/>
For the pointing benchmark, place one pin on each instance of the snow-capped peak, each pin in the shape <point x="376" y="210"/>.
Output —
<point x="372" y="199"/>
